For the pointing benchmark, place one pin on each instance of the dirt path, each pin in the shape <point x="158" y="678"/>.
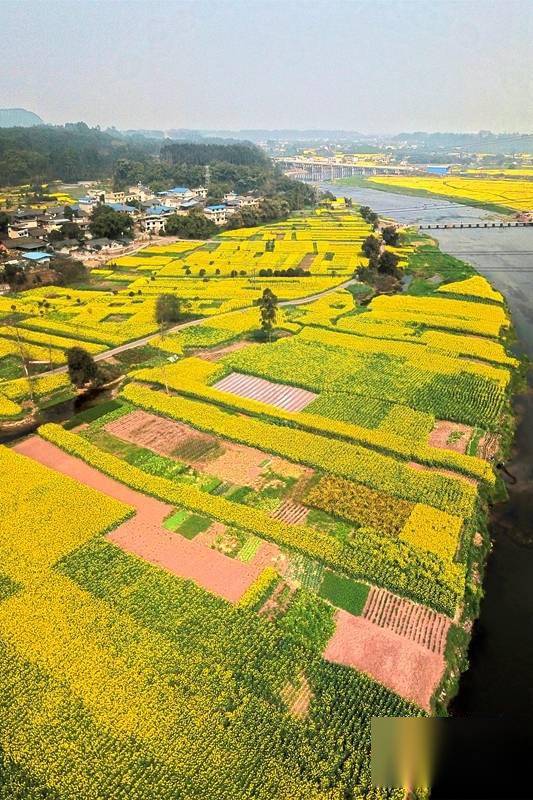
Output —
<point x="144" y="535"/>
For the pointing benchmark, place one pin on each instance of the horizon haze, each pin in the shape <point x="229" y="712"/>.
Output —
<point x="375" y="68"/>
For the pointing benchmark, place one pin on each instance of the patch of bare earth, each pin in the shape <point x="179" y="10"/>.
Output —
<point x="267" y="554"/>
<point x="220" y="352"/>
<point x="278" y="602"/>
<point x="228" y="461"/>
<point x="307" y="261"/>
<point x="404" y="666"/>
<point x="144" y="534"/>
<point x="297" y="696"/>
<point x="449" y="473"/>
<point x="450" y="435"/>
<point x="209" y="536"/>
<point x="140" y="427"/>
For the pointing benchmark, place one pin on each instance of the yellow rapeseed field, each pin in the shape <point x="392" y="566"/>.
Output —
<point x="513" y="194"/>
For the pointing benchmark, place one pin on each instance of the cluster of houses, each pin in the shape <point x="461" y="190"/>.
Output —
<point x="31" y="241"/>
<point x="151" y="210"/>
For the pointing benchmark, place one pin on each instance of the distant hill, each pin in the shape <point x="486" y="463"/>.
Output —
<point x="18" y="117"/>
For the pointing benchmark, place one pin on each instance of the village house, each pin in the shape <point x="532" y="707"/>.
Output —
<point x="123" y="208"/>
<point x="233" y="200"/>
<point x="155" y="217"/>
<point x="37" y="258"/>
<point x="218" y="213"/>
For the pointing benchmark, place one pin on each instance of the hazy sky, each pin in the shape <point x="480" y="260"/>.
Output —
<point x="376" y="66"/>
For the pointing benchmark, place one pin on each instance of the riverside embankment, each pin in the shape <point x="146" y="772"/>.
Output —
<point x="499" y="680"/>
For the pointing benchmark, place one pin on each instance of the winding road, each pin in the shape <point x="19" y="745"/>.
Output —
<point x="190" y="323"/>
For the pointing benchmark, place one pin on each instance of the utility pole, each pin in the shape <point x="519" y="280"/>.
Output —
<point x="207" y="176"/>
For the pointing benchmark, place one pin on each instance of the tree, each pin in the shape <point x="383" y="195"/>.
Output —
<point x="371" y="247"/>
<point x="190" y="226"/>
<point x="168" y="309"/>
<point x="68" y="230"/>
<point x="108" y="223"/>
<point x="4" y="222"/>
<point x="391" y="236"/>
<point x="370" y="216"/>
<point x="82" y="368"/>
<point x="388" y="264"/>
<point x="268" y="305"/>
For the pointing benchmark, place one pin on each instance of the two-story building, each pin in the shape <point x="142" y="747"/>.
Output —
<point x="155" y="218"/>
<point x="217" y="213"/>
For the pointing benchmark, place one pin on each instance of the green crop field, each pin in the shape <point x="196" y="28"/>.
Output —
<point x="182" y="568"/>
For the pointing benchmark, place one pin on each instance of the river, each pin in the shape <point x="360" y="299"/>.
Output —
<point x="500" y="677"/>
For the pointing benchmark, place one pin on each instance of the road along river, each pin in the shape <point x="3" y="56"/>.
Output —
<point x="500" y="677"/>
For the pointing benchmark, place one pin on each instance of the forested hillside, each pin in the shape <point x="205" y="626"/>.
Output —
<point x="76" y="152"/>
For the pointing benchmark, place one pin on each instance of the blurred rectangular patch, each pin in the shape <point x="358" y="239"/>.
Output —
<point x="455" y="758"/>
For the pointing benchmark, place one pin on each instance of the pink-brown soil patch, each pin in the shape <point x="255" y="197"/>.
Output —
<point x="161" y="435"/>
<point x="237" y="463"/>
<point x="450" y="435"/>
<point x="220" y="352"/>
<point x="411" y="620"/>
<point x="307" y="261"/>
<point x="209" y="536"/>
<point x="144" y="534"/>
<point x="405" y="667"/>
<point x="278" y="602"/>
<point x="449" y="473"/>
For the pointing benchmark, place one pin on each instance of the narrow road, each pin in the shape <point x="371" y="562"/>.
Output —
<point x="147" y="339"/>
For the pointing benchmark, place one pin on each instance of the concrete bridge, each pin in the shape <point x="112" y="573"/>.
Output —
<point x="462" y="225"/>
<point x="315" y="170"/>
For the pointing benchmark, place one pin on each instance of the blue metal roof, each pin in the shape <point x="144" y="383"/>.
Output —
<point x="218" y="207"/>
<point x="179" y="189"/>
<point x="37" y="256"/>
<point x="159" y="209"/>
<point x="121" y="207"/>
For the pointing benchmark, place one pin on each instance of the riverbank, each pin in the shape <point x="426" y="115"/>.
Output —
<point x="500" y="654"/>
<point x="360" y="182"/>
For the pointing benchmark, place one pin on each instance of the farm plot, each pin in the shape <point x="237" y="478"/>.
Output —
<point x="415" y="622"/>
<point x="510" y="194"/>
<point x="145" y="536"/>
<point x="402" y="665"/>
<point x="289" y="398"/>
<point x="268" y="573"/>
<point x="228" y="461"/>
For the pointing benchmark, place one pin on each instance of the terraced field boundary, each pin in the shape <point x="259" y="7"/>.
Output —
<point x="377" y="559"/>
<point x="144" y="535"/>
<point x="380" y="440"/>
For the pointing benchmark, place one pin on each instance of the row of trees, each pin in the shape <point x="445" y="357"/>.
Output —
<point x="380" y="260"/>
